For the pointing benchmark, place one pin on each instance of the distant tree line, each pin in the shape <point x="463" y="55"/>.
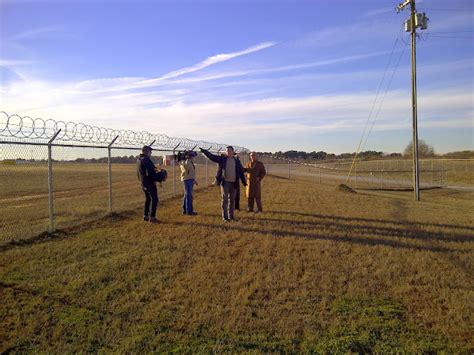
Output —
<point x="321" y="155"/>
<point x="424" y="151"/>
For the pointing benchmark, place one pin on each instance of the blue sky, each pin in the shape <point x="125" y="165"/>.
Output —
<point x="268" y="75"/>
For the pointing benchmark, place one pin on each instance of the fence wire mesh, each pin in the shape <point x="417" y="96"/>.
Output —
<point x="45" y="185"/>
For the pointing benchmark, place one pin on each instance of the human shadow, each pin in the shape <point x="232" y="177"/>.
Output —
<point x="408" y="231"/>
<point x="370" y="220"/>
<point x="339" y="235"/>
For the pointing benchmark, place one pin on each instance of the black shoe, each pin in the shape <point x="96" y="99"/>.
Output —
<point x="192" y="214"/>
<point x="153" y="220"/>
<point x="225" y="219"/>
<point x="146" y="218"/>
<point x="184" y="212"/>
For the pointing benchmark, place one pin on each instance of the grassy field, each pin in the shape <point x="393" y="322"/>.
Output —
<point x="80" y="195"/>
<point x="81" y="190"/>
<point x="320" y="271"/>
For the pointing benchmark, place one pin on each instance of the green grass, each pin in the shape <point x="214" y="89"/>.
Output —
<point x="319" y="271"/>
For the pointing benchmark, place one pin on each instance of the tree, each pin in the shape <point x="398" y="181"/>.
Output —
<point x="424" y="149"/>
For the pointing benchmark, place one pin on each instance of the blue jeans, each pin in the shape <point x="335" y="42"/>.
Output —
<point x="188" y="196"/>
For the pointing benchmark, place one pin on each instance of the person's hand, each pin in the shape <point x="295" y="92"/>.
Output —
<point x="195" y="183"/>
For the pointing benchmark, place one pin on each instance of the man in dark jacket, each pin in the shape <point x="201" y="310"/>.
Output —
<point x="228" y="175"/>
<point x="237" y="190"/>
<point x="146" y="172"/>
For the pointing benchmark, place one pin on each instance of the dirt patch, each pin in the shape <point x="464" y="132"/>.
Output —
<point x="345" y="188"/>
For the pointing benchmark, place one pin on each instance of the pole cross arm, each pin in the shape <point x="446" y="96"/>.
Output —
<point x="402" y="5"/>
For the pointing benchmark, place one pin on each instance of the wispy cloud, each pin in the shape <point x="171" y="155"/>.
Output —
<point x="14" y="62"/>
<point x="272" y="117"/>
<point x="34" y="33"/>
<point x="249" y="72"/>
<point x="383" y="10"/>
<point x="334" y="36"/>
<point x="46" y="32"/>
<point x="208" y="62"/>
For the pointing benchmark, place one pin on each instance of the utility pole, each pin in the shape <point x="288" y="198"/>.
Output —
<point x="416" y="20"/>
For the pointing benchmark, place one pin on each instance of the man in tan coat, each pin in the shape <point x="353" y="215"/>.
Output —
<point x="255" y="172"/>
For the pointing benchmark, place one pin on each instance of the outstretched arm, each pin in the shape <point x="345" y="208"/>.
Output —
<point x="214" y="158"/>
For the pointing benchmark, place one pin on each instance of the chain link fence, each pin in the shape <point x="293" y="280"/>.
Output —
<point x="59" y="181"/>
<point x="56" y="175"/>
<point x="78" y="185"/>
<point x="377" y="174"/>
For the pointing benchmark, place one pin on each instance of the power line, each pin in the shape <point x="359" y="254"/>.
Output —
<point x="372" y="108"/>
<point x="385" y="95"/>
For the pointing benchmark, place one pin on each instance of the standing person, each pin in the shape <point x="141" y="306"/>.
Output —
<point x="237" y="190"/>
<point x="146" y="172"/>
<point x="228" y="175"/>
<point x="188" y="177"/>
<point x="255" y="171"/>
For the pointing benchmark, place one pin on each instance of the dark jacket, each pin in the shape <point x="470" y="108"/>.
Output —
<point x="222" y="161"/>
<point x="146" y="171"/>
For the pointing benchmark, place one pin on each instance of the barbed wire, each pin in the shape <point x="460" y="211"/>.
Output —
<point x="26" y="127"/>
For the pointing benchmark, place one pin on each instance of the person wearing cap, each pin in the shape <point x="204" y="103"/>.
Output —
<point x="255" y="171"/>
<point x="146" y="172"/>
<point x="228" y="175"/>
<point x="188" y="177"/>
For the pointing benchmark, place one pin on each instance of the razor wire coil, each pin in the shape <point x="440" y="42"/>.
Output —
<point x="26" y="127"/>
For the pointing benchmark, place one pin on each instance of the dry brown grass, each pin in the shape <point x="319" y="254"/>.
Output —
<point x="80" y="195"/>
<point x="320" y="270"/>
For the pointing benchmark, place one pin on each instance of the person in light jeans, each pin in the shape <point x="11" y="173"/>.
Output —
<point x="188" y="177"/>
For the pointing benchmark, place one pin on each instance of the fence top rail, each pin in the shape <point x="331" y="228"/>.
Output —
<point x="25" y="127"/>
<point x="79" y="145"/>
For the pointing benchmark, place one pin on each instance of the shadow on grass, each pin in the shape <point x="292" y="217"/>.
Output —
<point x="359" y="219"/>
<point x="340" y="235"/>
<point x="62" y="233"/>
<point x="410" y="232"/>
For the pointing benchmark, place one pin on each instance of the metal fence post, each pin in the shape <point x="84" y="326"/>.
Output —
<point x="109" y="163"/>
<point x="319" y="175"/>
<point x="207" y="168"/>
<point x="50" y="183"/>
<point x="207" y="172"/>
<point x="174" y="170"/>
<point x="355" y="177"/>
<point x="289" y="174"/>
